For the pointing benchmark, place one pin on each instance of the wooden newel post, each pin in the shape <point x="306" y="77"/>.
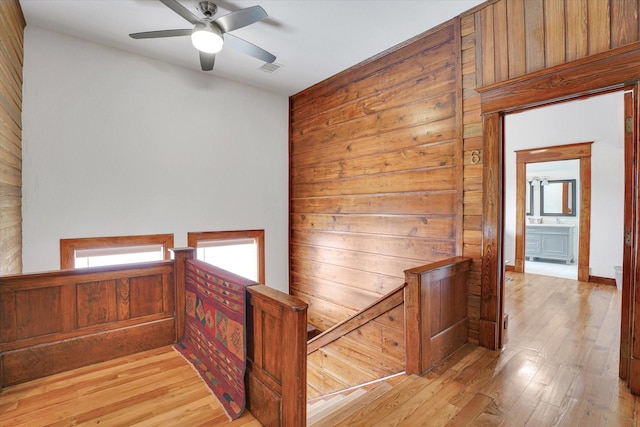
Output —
<point x="436" y="320"/>
<point x="180" y="257"/>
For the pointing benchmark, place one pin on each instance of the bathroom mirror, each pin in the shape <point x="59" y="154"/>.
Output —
<point x="529" y="201"/>
<point x="558" y="198"/>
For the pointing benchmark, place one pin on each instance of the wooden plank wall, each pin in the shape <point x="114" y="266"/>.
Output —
<point x="375" y="175"/>
<point x="11" y="53"/>
<point x="517" y="37"/>
<point x="472" y="173"/>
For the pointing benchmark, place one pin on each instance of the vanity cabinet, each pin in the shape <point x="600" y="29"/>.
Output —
<point x="550" y="241"/>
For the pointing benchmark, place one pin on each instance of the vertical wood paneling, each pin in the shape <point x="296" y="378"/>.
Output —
<point x="376" y="176"/>
<point x="534" y="34"/>
<point x="488" y="46"/>
<point x="11" y="52"/>
<point x="500" y="40"/>
<point x="554" y="32"/>
<point x="577" y="36"/>
<point x="599" y="26"/>
<point x="624" y="22"/>
<point x="517" y="44"/>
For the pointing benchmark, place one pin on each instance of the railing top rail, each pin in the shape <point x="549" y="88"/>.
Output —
<point x="9" y="283"/>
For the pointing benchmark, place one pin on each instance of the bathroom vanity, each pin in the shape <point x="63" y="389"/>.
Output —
<point x="550" y="241"/>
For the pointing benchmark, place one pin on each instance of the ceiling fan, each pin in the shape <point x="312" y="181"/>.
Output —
<point x="208" y="35"/>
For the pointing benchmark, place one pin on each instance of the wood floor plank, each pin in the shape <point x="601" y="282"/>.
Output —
<point x="152" y="388"/>
<point x="558" y="368"/>
<point x="471" y="411"/>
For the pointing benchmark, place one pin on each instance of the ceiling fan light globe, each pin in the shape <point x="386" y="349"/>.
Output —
<point x="206" y="38"/>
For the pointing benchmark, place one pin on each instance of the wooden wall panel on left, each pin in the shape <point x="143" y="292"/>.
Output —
<point x="12" y="24"/>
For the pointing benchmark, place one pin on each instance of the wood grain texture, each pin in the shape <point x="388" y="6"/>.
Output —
<point x="555" y="32"/>
<point x="276" y="357"/>
<point x="492" y="259"/>
<point x="534" y="35"/>
<point x="624" y="22"/>
<point x="561" y="372"/>
<point x="601" y="41"/>
<point x="543" y="33"/>
<point x="375" y="175"/>
<point x="551" y="373"/>
<point x="154" y="387"/>
<point x="378" y="308"/>
<point x="576" y="24"/>
<point x="629" y="254"/>
<point x="74" y="318"/>
<point x="436" y="312"/>
<point x="12" y="24"/>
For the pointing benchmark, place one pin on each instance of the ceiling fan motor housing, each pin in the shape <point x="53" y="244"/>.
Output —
<point x="207" y="8"/>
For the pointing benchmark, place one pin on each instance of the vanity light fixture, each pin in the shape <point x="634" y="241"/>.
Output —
<point x="542" y="180"/>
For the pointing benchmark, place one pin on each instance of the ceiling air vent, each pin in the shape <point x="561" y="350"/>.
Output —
<point x="270" y="67"/>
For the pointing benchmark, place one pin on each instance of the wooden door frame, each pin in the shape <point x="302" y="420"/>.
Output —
<point x="581" y="152"/>
<point x="603" y="72"/>
<point x="631" y="261"/>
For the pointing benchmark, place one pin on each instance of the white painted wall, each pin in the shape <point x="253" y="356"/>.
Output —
<point x="599" y="119"/>
<point x="119" y="144"/>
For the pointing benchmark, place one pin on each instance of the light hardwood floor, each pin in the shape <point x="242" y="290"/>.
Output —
<point x="154" y="388"/>
<point x="559" y="367"/>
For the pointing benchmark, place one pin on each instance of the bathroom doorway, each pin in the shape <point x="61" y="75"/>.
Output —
<point x="534" y="135"/>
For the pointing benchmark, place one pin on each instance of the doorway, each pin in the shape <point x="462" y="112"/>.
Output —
<point x="534" y="157"/>
<point x="552" y="221"/>
<point x="569" y="81"/>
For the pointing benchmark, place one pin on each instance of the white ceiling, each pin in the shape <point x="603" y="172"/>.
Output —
<point x="311" y="39"/>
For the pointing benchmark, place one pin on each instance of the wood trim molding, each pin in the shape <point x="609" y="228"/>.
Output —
<point x="491" y="289"/>
<point x="630" y="260"/>
<point x="588" y="76"/>
<point x="68" y="247"/>
<point x="593" y="74"/>
<point x="602" y="280"/>
<point x="194" y="237"/>
<point x="580" y="151"/>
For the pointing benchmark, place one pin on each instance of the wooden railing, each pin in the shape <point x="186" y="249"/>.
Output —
<point x="277" y="358"/>
<point x="435" y="312"/>
<point x="361" y="318"/>
<point x="410" y="329"/>
<point x="57" y="321"/>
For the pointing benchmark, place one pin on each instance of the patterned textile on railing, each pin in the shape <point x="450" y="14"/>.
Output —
<point x="214" y="340"/>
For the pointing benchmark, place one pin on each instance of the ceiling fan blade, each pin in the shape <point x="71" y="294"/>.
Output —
<point x="240" y="18"/>
<point x="181" y="10"/>
<point x="247" y="48"/>
<point x="161" y="33"/>
<point x="207" y="60"/>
